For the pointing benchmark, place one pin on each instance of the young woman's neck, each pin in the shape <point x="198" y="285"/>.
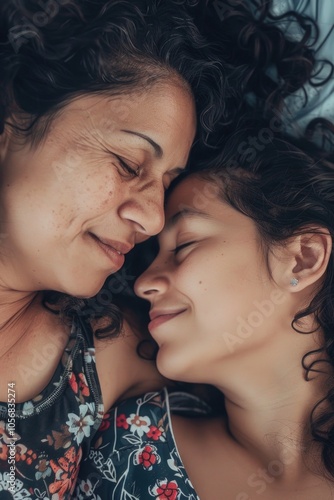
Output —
<point x="269" y="401"/>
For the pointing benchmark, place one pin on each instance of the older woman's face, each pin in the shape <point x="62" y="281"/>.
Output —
<point x="74" y="205"/>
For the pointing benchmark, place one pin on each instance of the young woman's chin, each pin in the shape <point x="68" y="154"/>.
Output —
<point x="172" y="365"/>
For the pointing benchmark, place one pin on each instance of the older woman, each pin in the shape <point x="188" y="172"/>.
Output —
<point x="98" y="114"/>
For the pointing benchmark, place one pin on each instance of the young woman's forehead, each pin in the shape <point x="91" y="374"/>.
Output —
<point x="193" y="194"/>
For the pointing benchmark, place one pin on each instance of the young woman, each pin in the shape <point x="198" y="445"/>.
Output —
<point x="100" y="103"/>
<point x="241" y="297"/>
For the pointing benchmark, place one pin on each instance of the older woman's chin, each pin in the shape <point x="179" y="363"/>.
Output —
<point x="87" y="287"/>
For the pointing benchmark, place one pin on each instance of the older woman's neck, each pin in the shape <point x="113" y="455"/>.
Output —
<point x="17" y="311"/>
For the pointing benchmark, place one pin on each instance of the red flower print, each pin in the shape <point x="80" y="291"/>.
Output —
<point x="29" y="456"/>
<point x="147" y="457"/>
<point x="3" y="451"/>
<point x="83" y="385"/>
<point x="79" y="384"/>
<point x="164" y="490"/>
<point x="20" y="452"/>
<point x="66" y="470"/>
<point x="105" y="422"/>
<point x="121" y="421"/>
<point x="154" y="433"/>
<point x="73" y="383"/>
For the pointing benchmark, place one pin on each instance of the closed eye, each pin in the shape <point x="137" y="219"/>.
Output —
<point x="178" y="249"/>
<point x="127" y="168"/>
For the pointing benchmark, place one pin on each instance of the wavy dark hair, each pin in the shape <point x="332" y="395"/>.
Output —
<point x="286" y="189"/>
<point x="50" y="55"/>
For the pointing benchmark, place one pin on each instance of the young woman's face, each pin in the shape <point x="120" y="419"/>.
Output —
<point x="211" y="295"/>
<point x="74" y="205"/>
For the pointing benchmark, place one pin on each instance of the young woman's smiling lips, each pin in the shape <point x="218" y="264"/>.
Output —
<point x="159" y="316"/>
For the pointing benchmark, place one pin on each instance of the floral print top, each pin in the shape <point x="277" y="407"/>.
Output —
<point x="52" y="431"/>
<point x="134" y="455"/>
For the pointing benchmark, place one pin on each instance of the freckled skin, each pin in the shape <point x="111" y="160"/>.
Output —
<point x="73" y="184"/>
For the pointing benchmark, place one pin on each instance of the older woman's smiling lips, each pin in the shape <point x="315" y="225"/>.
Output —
<point x="161" y="316"/>
<point x="113" y="249"/>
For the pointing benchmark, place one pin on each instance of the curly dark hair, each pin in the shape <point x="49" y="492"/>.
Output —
<point x="270" y="63"/>
<point x="287" y="189"/>
<point x="98" y="46"/>
<point x="68" y="48"/>
<point x="279" y="62"/>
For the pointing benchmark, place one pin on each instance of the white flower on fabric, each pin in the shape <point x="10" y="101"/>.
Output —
<point x="89" y="355"/>
<point x="43" y="469"/>
<point x="28" y="408"/>
<point x="139" y="425"/>
<point x="85" y="489"/>
<point x="80" y="425"/>
<point x="6" y="485"/>
<point x="91" y="408"/>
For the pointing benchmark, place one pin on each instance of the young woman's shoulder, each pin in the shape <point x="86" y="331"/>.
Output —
<point x="196" y="437"/>
<point x="208" y="455"/>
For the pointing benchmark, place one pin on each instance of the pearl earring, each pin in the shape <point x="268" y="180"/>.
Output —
<point x="294" y="282"/>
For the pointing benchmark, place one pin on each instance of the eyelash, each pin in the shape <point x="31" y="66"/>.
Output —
<point x="181" y="247"/>
<point x="127" y="168"/>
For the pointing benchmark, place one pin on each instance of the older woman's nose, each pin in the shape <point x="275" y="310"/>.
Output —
<point x="146" y="210"/>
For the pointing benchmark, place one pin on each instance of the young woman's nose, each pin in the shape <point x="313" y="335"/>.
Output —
<point x="151" y="283"/>
<point x="145" y="209"/>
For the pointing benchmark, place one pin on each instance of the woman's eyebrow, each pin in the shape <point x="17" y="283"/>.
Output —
<point x="188" y="213"/>
<point x="157" y="149"/>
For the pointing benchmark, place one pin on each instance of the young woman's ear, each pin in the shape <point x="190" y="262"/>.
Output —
<point x="303" y="260"/>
